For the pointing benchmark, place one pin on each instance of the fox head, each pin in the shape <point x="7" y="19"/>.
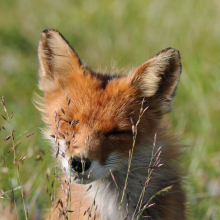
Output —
<point x="89" y="114"/>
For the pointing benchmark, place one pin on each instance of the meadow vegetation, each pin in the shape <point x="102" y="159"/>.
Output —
<point x="108" y="34"/>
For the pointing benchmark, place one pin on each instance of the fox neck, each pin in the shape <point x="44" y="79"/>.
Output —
<point x="110" y="192"/>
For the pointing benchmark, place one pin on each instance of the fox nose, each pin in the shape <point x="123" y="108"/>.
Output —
<point x="78" y="165"/>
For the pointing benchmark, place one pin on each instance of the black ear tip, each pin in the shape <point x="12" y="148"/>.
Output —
<point x="48" y="33"/>
<point x="172" y="50"/>
<point x="49" y="30"/>
<point x="175" y="54"/>
<point x="46" y="30"/>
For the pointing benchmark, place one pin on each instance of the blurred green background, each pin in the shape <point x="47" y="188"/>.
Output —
<point x="105" y="33"/>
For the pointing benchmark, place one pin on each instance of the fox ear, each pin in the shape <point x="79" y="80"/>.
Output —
<point x="57" y="60"/>
<point x="158" y="77"/>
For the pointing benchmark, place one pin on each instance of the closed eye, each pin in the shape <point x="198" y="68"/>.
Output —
<point x="69" y="122"/>
<point x="118" y="133"/>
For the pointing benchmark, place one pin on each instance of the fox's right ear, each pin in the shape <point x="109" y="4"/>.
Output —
<point x="57" y="60"/>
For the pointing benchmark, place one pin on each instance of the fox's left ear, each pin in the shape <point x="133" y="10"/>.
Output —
<point x="57" y="60"/>
<point x="158" y="77"/>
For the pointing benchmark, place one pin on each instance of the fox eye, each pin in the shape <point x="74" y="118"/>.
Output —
<point x="119" y="132"/>
<point x="69" y="122"/>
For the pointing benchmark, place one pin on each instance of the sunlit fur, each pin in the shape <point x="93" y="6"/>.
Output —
<point x="104" y="104"/>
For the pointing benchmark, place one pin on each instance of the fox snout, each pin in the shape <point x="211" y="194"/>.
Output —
<point x="79" y="165"/>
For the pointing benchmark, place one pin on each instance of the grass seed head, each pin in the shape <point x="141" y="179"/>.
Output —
<point x="10" y="149"/>
<point x="58" y="150"/>
<point x="62" y="110"/>
<point x="1" y="127"/>
<point x="3" y="100"/>
<point x="22" y="158"/>
<point x="12" y="114"/>
<point x="90" y="186"/>
<point x="7" y="138"/>
<point x="3" y="117"/>
<point x="90" y="172"/>
<point x="29" y="135"/>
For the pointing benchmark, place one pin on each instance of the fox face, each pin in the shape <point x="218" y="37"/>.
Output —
<point x="89" y="114"/>
<point x="91" y="119"/>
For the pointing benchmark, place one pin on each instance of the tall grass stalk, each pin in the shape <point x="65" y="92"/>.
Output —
<point x="149" y="205"/>
<point x="93" y="202"/>
<point x="15" y="160"/>
<point x="9" y="177"/>
<point x="150" y="170"/>
<point x="134" y="132"/>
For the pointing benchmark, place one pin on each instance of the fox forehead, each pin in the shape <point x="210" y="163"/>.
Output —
<point x="97" y="106"/>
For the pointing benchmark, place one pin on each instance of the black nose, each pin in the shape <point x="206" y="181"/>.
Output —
<point x="78" y="165"/>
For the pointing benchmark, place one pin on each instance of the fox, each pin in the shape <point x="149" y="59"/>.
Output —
<point x="109" y="136"/>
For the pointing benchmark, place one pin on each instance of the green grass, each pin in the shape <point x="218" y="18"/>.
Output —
<point x="128" y="33"/>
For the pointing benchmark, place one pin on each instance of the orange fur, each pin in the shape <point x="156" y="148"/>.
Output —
<point x="104" y="104"/>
